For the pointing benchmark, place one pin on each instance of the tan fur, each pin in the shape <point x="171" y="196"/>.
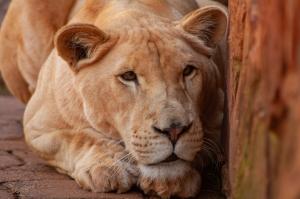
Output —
<point x="26" y="39"/>
<point x="87" y="121"/>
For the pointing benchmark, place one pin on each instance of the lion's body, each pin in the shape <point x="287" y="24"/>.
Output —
<point x="88" y="124"/>
<point x="27" y="37"/>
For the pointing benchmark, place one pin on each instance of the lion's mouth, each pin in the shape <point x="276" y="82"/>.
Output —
<point x="171" y="158"/>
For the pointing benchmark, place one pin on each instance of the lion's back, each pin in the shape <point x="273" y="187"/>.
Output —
<point x="26" y="38"/>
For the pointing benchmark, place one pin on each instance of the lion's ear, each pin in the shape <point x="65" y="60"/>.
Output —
<point x="208" y="23"/>
<point x="77" y="44"/>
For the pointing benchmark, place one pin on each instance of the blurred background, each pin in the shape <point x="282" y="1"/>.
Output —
<point x="3" y="7"/>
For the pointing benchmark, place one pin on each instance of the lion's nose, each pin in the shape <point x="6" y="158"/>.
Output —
<point x="174" y="131"/>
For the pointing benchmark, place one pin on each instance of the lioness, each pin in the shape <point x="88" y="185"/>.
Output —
<point x="128" y="93"/>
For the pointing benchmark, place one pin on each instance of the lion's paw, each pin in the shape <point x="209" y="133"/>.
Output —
<point x="184" y="187"/>
<point x="106" y="178"/>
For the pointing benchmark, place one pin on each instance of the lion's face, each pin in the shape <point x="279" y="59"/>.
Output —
<point x="145" y="84"/>
<point x="149" y="88"/>
<point x="163" y="122"/>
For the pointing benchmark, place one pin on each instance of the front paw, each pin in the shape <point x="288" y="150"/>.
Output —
<point x="109" y="176"/>
<point x="183" y="186"/>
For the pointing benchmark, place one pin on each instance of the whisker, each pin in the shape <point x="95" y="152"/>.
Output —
<point x="116" y="169"/>
<point x="213" y="152"/>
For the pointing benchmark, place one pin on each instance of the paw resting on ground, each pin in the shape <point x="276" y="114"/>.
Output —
<point x="107" y="176"/>
<point x="184" y="186"/>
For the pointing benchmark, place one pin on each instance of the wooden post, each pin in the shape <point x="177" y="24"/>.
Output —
<point x="264" y="99"/>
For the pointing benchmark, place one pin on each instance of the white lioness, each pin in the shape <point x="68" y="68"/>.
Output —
<point x="127" y="93"/>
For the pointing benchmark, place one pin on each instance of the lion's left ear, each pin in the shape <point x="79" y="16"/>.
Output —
<point x="208" y="23"/>
<point x="81" y="44"/>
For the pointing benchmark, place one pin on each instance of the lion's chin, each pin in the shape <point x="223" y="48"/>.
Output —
<point x="166" y="170"/>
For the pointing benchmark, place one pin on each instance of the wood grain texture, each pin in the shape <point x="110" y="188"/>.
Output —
<point x="263" y="99"/>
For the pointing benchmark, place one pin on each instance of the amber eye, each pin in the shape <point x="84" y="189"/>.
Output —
<point x="189" y="70"/>
<point x="129" y="76"/>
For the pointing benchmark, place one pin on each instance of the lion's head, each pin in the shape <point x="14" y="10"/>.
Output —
<point x="147" y="79"/>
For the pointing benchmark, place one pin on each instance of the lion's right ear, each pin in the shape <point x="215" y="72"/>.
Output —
<point x="78" y="44"/>
<point x="208" y="23"/>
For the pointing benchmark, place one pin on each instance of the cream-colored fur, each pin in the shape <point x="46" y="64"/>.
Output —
<point x="26" y="39"/>
<point x="128" y="84"/>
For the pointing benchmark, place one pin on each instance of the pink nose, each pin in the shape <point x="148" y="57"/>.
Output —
<point x="174" y="131"/>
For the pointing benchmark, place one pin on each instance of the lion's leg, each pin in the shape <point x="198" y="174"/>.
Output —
<point x="13" y="79"/>
<point x="96" y="163"/>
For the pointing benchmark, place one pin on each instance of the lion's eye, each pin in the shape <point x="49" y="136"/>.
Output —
<point x="189" y="70"/>
<point x="129" y="76"/>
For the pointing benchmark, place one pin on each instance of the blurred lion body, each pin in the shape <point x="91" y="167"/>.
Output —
<point x="27" y="39"/>
<point x="91" y="124"/>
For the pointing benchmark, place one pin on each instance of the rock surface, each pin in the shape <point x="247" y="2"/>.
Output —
<point x="264" y="99"/>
